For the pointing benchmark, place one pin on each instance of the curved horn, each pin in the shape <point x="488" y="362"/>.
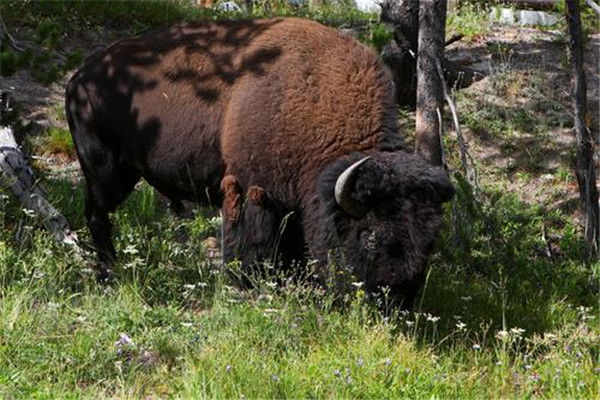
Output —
<point x="343" y="188"/>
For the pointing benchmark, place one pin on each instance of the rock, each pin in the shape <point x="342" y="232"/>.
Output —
<point x="536" y="18"/>
<point x="370" y="6"/>
<point x="504" y="16"/>
<point x="507" y="16"/>
<point x="229" y="6"/>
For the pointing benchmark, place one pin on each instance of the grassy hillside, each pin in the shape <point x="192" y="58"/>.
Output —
<point x="509" y="310"/>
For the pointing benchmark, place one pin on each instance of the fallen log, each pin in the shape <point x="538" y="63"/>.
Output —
<point x="18" y="177"/>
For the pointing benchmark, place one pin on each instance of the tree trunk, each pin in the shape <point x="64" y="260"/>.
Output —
<point x="401" y="54"/>
<point x="430" y="89"/>
<point x="403" y="15"/>
<point x="585" y="171"/>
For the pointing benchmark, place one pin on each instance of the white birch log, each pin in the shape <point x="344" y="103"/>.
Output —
<point x="17" y="175"/>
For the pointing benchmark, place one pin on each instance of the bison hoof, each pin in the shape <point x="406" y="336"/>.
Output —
<point x="105" y="274"/>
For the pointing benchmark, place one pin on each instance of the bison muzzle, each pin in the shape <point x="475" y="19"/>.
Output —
<point x="286" y="124"/>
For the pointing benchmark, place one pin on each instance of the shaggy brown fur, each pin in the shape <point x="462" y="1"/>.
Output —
<point x="259" y="117"/>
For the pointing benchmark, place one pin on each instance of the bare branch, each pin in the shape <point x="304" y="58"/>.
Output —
<point x="441" y="132"/>
<point x="468" y="165"/>
<point x="11" y="40"/>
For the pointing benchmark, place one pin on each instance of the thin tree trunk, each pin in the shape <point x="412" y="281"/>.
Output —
<point x="430" y="89"/>
<point x="586" y="175"/>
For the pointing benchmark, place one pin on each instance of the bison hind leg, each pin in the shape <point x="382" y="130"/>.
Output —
<point x="104" y="194"/>
<point x="109" y="182"/>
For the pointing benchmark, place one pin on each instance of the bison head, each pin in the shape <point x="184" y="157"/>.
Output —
<point x="386" y="212"/>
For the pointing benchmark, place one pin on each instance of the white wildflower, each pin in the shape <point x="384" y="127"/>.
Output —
<point x="518" y="332"/>
<point x="502" y="335"/>
<point x="130" y="249"/>
<point x="432" y="318"/>
<point x="28" y="212"/>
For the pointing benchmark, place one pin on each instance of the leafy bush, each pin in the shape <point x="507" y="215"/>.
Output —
<point x="378" y="36"/>
<point x="470" y="20"/>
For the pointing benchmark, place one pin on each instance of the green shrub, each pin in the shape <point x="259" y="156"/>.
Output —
<point x="8" y="62"/>
<point x="470" y="20"/>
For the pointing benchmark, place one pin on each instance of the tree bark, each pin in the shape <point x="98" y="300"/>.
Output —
<point x="401" y="54"/>
<point x="585" y="171"/>
<point x="430" y="89"/>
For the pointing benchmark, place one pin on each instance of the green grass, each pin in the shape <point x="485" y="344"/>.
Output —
<point x="497" y="318"/>
<point x="58" y="141"/>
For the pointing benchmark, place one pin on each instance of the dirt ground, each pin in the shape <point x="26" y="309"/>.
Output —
<point x="527" y="68"/>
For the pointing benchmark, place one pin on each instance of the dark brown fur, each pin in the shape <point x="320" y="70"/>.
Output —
<point x="259" y="117"/>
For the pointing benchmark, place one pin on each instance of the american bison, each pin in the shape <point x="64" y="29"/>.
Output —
<point x="286" y="124"/>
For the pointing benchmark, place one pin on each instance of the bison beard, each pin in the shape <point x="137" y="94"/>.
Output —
<point x="262" y="118"/>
